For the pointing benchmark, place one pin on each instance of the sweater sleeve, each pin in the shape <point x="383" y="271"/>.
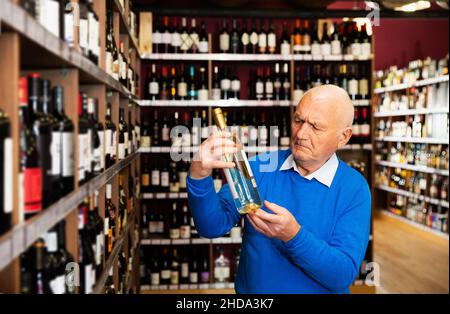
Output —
<point x="214" y="213"/>
<point x="335" y="264"/>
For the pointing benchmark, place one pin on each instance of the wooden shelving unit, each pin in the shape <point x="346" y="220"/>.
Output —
<point x="28" y="47"/>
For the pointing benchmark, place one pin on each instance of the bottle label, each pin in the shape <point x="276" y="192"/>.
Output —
<point x="262" y="40"/>
<point x="230" y="181"/>
<point x="216" y="94"/>
<point x="155" y="279"/>
<point x="356" y="129"/>
<point x="174" y="187"/>
<point x="259" y="88"/>
<point x="182" y="89"/>
<point x="285" y="48"/>
<point x="165" y="179"/>
<point x="145" y="141"/>
<point x="284" y="141"/>
<point x="263" y="134"/>
<point x="225" y="84"/>
<point x="156" y="38"/>
<point x="336" y="48"/>
<point x="202" y="94"/>
<point x="315" y="49"/>
<point x="184" y="270"/>
<point x="67" y="147"/>
<point x="224" y="40"/>
<point x="166" y="38"/>
<point x="7" y="176"/>
<point x="121" y="151"/>
<point x="203" y="47"/>
<point x="174" y="277"/>
<point x="366" y="49"/>
<point x="160" y="226"/>
<point x="245" y="39"/>
<point x="269" y="87"/>
<point x="254" y="38"/>
<point x="195" y="41"/>
<point x="109" y="141"/>
<point x="126" y="142"/>
<point x="68" y="29"/>
<point x="87" y="152"/>
<point x="363" y="87"/>
<point x="204" y="276"/>
<point x="193" y="277"/>
<point x="297" y="95"/>
<point x="205" y="132"/>
<point x="153" y="227"/>
<point x="88" y="281"/>
<point x="155" y="178"/>
<point x="58" y="285"/>
<point x="186" y="42"/>
<point x="101" y="135"/>
<point x="183" y="176"/>
<point x="81" y="154"/>
<point x="272" y="40"/>
<point x="235" y="85"/>
<point x="109" y="62"/>
<point x="356" y="49"/>
<point x="185" y="232"/>
<point x="221" y="273"/>
<point x="253" y="135"/>
<point x="145" y="180"/>
<point x="325" y="49"/>
<point x="176" y="39"/>
<point x="353" y="87"/>
<point x="51" y="241"/>
<point x="153" y="88"/>
<point x="174" y="233"/>
<point x="165" y="274"/>
<point x="83" y="40"/>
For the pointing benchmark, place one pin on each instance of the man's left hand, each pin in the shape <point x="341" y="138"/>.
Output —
<point x="280" y="225"/>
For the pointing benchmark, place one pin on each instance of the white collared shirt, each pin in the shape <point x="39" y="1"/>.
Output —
<point x="324" y="174"/>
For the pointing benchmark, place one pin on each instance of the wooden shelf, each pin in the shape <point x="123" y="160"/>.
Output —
<point x="246" y="57"/>
<point x="424" y="140"/>
<point x="187" y="287"/>
<point x="195" y="241"/>
<point x="367" y="147"/>
<point x="52" y="50"/>
<point x="124" y="26"/>
<point x="194" y="149"/>
<point x="21" y="236"/>
<point x="415" y="224"/>
<point x="399" y="87"/>
<point x="427" y="199"/>
<point x="411" y="112"/>
<point x="424" y="169"/>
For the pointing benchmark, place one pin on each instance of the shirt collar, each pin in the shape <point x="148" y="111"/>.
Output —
<point x="324" y="174"/>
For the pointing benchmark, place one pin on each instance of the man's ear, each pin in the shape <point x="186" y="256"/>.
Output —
<point x="344" y="137"/>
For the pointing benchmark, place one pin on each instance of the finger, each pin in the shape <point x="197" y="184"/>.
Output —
<point x="261" y="224"/>
<point x="255" y="226"/>
<point x="219" y="152"/>
<point x="264" y="216"/>
<point x="222" y="164"/>
<point x="276" y="209"/>
<point x="222" y="142"/>
<point x="220" y="134"/>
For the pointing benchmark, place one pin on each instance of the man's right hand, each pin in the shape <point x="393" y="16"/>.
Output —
<point x="209" y="155"/>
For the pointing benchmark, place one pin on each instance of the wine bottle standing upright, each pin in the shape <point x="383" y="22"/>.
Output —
<point x="6" y="175"/>
<point x="240" y="179"/>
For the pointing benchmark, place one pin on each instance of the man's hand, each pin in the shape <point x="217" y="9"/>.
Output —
<point x="280" y="225"/>
<point x="210" y="153"/>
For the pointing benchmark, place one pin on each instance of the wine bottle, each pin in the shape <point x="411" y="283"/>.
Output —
<point x="234" y="40"/>
<point x="66" y="132"/>
<point x="185" y="227"/>
<point x="203" y="86"/>
<point x="285" y="45"/>
<point x="175" y="39"/>
<point x="203" y="45"/>
<point x="325" y="44"/>
<point x="254" y="38"/>
<point x="109" y="222"/>
<point x="272" y="39"/>
<point x="30" y="178"/>
<point x="195" y="40"/>
<point x="262" y="38"/>
<point x="156" y="38"/>
<point x="186" y="41"/>
<point x="224" y="38"/>
<point x="245" y="38"/>
<point x="216" y="91"/>
<point x="221" y="266"/>
<point x="166" y="35"/>
<point x="242" y="184"/>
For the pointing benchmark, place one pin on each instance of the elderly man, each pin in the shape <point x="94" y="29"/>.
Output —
<point x="312" y="232"/>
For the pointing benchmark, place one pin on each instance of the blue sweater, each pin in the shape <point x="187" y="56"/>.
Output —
<point x="324" y="256"/>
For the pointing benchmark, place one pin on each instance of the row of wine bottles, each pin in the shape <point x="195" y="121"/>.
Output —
<point x="417" y="126"/>
<point x="430" y="215"/>
<point x="178" y="265"/>
<point x="47" y="267"/>
<point x="265" y="83"/>
<point x="432" y="156"/>
<point x="47" y="142"/>
<point x="417" y="70"/>
<point x="306" y="37"/>
<point x="245" y="124"/>
<point x="434" y="186"/>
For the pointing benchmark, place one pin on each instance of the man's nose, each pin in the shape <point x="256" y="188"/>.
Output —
<point x="302" y="131"/>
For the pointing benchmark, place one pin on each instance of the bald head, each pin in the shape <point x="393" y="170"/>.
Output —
<point x="333" y="102"/>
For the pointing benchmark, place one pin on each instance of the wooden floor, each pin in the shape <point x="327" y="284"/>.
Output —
<point x="411" y="260"/>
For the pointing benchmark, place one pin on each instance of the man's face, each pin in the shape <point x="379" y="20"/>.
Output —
<point x="314" y="132"/>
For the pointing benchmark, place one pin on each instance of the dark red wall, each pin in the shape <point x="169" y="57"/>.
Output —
<point x="398" y="41"/>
